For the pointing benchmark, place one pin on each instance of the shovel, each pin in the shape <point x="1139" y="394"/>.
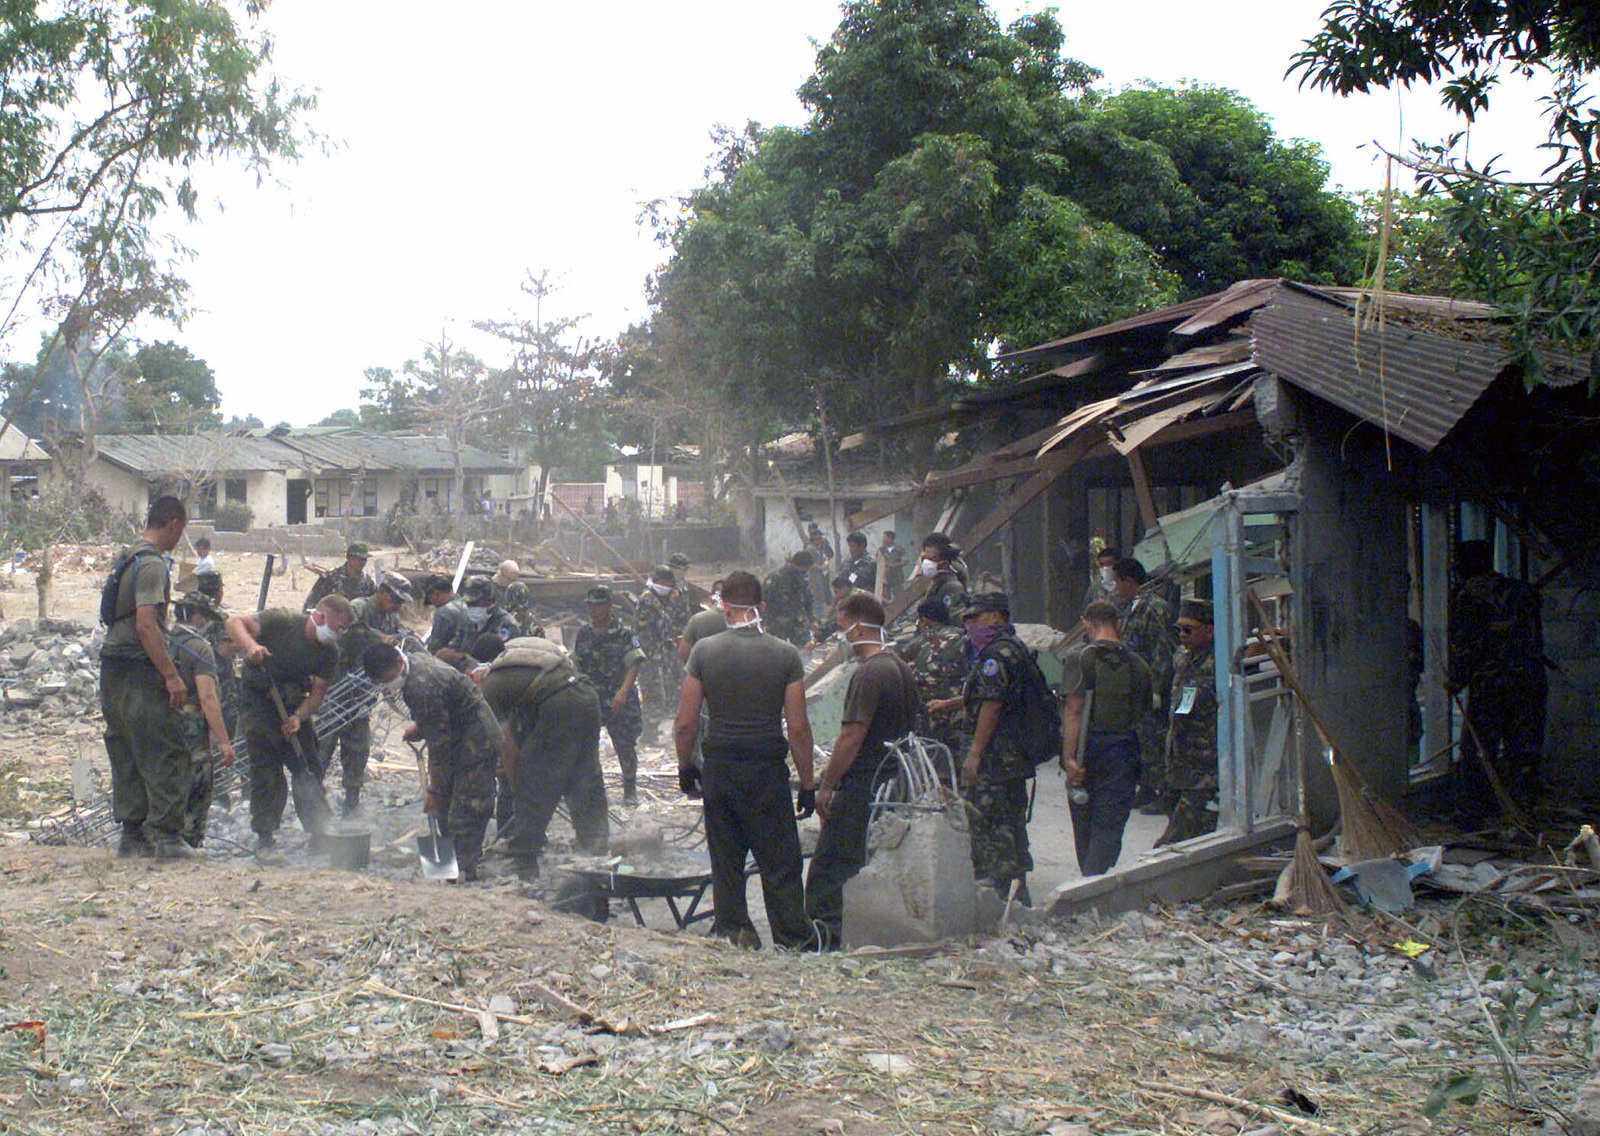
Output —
<point x="310" y="802"/>
<point x="435" y="851"/>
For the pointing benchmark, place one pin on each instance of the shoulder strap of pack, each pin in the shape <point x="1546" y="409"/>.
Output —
<point x="127" y="591"/>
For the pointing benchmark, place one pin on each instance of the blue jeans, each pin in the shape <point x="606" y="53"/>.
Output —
<point x="1111" y="768"/>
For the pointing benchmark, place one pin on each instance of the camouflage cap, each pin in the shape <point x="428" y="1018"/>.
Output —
<point x="399" y="585"/>
<point x="477" y="589"/>
<point x="199" y="602"/>
<point x="208" y="582"/>
<point x="663" y="575"/>
<point x="1197" y="610"/>
<point x="357" y="549"/>
<point x="678" y="562"/>
<point x="599" y="594"/>
<point x="986" y="602"/>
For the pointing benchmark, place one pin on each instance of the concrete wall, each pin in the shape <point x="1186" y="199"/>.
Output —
<point x="1350" y="635"/>
<point x="782" y="539"/>
<point x="1572" y="641"/>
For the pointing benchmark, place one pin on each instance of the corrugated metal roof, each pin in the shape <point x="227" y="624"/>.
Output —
<point x="173" y="453"/>
<point x="1142" y="322"/>
<point x="419" y="453"/>
<point x="1412" y="383"/>
<point x="1233" y="301"/>
<point x="17" y="446"/>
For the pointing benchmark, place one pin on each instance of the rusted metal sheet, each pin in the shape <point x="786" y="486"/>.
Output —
<point x="1143" y="322"/>
<point x="1414" y="384"/>
<point x="1231" y="302"/>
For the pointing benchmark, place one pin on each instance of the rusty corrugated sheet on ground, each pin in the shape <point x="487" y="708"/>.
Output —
<point x="1414" y="384"/>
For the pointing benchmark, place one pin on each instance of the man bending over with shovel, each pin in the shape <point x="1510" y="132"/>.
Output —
<point x="449" y="714"/>
<point x="290" y="659"/>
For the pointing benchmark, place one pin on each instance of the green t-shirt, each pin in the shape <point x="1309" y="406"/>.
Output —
<point x="745" y="673"/>
<point x="296" y="660"/>
<point x="146" y="582"/>
<point x="1119" y="678"/>
<point x="703" y="625"/>
<point x="192" y="655"/>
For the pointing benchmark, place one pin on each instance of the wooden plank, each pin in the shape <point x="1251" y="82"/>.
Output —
<point x="604" y="543"/>
<point x="1141" y="488"/>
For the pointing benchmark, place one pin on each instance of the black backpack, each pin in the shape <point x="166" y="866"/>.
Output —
<point x="1037" y="732"/>
<point x="111" y="590"/>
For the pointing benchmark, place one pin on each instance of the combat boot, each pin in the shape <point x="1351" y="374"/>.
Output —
<point x="630" y="792"/>
<point x="171" y="846"/>
<point x="134" y="843"/>
<point x="352" y="801"/>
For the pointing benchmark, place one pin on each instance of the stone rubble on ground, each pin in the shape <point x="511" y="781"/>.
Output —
<point x="49" y="668"/>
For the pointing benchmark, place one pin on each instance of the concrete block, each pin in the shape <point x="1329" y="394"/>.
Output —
<point x="917" y="886"/>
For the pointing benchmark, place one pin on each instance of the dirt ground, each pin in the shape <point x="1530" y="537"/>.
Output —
<point x="226" y="997"/>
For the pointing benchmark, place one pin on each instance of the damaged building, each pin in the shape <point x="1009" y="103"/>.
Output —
<point x="1319" y="452"/>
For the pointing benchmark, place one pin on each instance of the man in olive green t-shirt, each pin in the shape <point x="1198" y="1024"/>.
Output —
<point x="296" y="652"/>
<point x="142" y="695"/>
<point x="754" y="685"/>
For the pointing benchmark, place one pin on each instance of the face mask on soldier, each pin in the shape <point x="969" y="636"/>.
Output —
<point x="929" y="568"/>
<point x="393" y="685"/>
<point x="326" y="635"/>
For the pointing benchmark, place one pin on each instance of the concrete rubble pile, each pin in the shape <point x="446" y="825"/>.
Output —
<point x="49" y="668"/>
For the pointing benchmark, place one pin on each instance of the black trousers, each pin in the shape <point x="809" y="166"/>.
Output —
<point x="841" y="851"/>
<point x="749" y="810"/>
<point x="1509" y="721"/>
<point x="1111" y="766"/>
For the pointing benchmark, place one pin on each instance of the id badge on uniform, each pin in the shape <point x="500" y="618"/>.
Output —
<point x="1186" y="700"/>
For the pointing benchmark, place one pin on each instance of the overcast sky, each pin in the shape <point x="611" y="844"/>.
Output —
<point x="479" y="139"/>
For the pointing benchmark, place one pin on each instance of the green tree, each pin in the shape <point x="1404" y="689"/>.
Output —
<point x="170" y="388"/>
<point x="1532" y="247"/>
<point x="1231" y="201"/>
<point x="110" y="111"/>
<point x="957" y="186"/>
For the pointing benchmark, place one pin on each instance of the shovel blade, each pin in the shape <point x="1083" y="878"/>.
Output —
<point x="310" y="803"/>
<point x="437" y="854"/>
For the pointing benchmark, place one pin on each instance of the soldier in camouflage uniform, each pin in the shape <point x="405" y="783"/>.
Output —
<point x="994" y="771"/>
<point x="350" y="581"/>
<point x="518" y="604"/>
<point x="203" y="728"/>
<point x="788" y="601"/>
<point x="463" y="738"/>
<point x="225" y="650"/>
<point x="377" y="620"/>
<point x="656" y="624"/>
<point x="937" y="655"/>
<point x="1147" y="630"/>
<point x="1191" y="774"/>
<point x="940" y="566"/>
<point x="608" y="654"/>
<point x="1497" y="656"/>
<point x="459" y="623"/>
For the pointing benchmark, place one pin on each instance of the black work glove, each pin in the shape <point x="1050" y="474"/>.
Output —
<point x="689" y="780"/>
<point x="805" y="804"/>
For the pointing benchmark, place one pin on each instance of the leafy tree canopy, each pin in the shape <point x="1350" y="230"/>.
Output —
<point x="1533" y="247"/>
<point x="958" y="186"/>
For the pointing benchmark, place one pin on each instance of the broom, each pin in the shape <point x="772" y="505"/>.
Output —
<point x="1371" y="827"/>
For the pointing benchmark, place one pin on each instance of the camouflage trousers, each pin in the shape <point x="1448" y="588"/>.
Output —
<point x="354" y="742"/>
<point x="1152" y="730"/>
<point x="1191" y="815"/>
<point x="623" y="728"/>
<point x="150" y="769"/>
<point x="467" y="785"/>
<point x="197" y="811"/>
<point x="999" y="827"/>
<point x="558" y="760"/>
